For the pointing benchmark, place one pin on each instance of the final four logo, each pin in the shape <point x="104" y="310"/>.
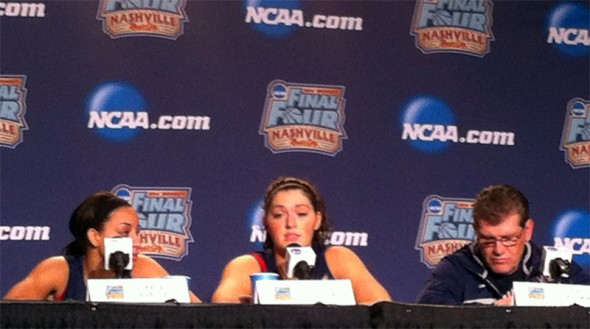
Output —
<point x="303" y="117"/>
<point x="124" y="18"/>
<point x="164" y="219"/>
<point x="453" y="26"/>
<point x="446" y="226"/>
<point x="12" y="110"/>
<point x="575" y="141"/>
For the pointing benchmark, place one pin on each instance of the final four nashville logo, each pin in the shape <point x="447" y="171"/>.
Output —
<point x="446" y="226"/>
<point x="575" y="141"/>
<point x="164" y="219"/>
<point x="459" y="26"/>
<point x="304" y="118"/>
<point x="124" y="18"/>
<point x="12" y="110"/>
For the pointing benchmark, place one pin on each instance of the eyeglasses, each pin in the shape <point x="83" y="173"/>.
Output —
<point x="507" y="241"/>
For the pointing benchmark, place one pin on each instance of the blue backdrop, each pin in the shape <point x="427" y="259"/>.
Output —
<point x="400" y="111"/>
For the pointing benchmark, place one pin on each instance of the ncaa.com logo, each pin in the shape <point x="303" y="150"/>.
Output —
<point x="22" y="9"/>
<point x="117" y="111"/>
<point x="25" y="233"/>
<point x="279" y="18"/>
<point x="429" y="125"/>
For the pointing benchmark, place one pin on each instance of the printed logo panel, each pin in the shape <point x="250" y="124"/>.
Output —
<point x="575" y="140"/>
<point x="164" y="218"/>
<point x="126" y="18"/>
<point x="446" y="225"/>
<point x="12" y="110"/>
<point x="303" y="118"/>
<point x="442" y="26"/>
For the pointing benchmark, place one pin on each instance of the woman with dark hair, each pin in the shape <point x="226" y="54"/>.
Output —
<point x="295" y="213"/>
<point x="102" y="215"/>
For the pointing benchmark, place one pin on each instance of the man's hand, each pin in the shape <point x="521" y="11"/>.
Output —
<point x="507" y="300"/>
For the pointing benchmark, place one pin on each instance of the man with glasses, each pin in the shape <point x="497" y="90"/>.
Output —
<point x="482" y="272"/>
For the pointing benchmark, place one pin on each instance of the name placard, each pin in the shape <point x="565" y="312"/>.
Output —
<point x="550" y="294"/>
<point x="304" y="292"/>
<point x="145" y="290"/>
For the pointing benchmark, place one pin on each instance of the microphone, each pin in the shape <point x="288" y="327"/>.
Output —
<point x="118" y="261"/>
<point x="556" y="263"/>
<point x="300" y="261"/>
<point x="117" y="252"/>
<point x="559" y="269"/>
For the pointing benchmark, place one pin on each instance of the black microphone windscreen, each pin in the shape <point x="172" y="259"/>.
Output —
<point x="302" y="271"/>
<point x="118" y="261"/>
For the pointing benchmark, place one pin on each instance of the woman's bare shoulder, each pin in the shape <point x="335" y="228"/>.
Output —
<point x="343" y="262"/>
<point x="56" y="264"/>
<point x="147" y="267"/>
<point x="235" y="280"/>
<point x="49" y="278"/>
<point x="340" y="253"/>
<point x="243" y="264"/>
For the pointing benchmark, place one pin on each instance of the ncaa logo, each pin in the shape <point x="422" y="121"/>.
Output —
<point x="567" y="27"/>
<point x="120" y="102"/>
<point x="433" y="122"/>
<point x="273" y="18"/>
<point x="571" y="229"/>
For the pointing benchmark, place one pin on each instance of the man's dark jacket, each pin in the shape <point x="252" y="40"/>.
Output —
<point x="462" y="278"/>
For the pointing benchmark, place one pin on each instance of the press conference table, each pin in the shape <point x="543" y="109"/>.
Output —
<point x="382" y="315"/>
